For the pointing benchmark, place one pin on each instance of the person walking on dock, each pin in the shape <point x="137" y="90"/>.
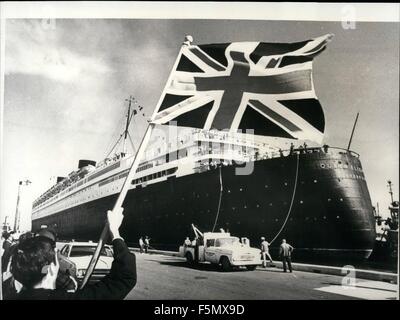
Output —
<point x="265" y="252"/>
<point x="285" y="252"/>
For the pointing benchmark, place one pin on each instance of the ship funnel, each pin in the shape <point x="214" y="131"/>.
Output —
<point x="84" y="163"/>
<point x="60" y="179"/>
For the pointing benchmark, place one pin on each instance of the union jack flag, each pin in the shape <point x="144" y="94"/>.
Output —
<point x="262" y="86"/>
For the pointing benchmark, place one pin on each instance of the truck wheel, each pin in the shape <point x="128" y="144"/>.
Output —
<point x="251" y="268"/>
<point x="189" y="258"/>
<point x="226" y="265"/>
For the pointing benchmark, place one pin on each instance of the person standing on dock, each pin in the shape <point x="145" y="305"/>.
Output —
<point x="265" y="252"/>
<point x="285" y="251"/>
<point x="187" y="242"/>
<point x="141" y="244"/>
<point x="146" y="244"/>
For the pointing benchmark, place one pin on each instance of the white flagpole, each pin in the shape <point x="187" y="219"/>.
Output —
<point x="133" y="168"/>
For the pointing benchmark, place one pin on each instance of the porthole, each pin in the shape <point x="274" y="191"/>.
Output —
<point x="322" y="165"/>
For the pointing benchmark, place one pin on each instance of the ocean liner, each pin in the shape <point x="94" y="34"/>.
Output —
<point x="277" y="180"/>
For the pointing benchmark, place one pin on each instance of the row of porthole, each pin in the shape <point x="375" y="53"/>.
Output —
<point x="291" y="219"/>
<point x="344" y="166"/>
<point x="285" y="203"/>
<point x="329" y="166"/>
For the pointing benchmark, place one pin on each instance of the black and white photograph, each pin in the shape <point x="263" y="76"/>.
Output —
<point x="195" y="151"/>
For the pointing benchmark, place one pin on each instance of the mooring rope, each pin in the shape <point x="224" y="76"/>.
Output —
<point x="220" y="198"/>
<point x="291" y="203"/>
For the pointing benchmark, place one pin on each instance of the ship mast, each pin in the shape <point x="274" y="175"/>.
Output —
<point x="352" y="132"/>
<point x="390" y="190"/>
<point x="125" y="133"/>
<point x="128" y="116"/>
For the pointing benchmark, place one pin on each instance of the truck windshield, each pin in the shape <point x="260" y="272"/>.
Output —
<point x="222" y="242"/>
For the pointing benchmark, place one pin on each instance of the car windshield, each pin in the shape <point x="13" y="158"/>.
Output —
<point x="81" y="251"/>
<point x="222" y="242"/>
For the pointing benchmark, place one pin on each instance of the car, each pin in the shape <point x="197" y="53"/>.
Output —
<point x="80" y="253"/>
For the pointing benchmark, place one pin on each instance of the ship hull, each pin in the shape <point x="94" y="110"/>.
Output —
<point x="319" y="202"/>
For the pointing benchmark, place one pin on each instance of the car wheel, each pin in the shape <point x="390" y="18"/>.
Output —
<point x="251" y="268"/>
<point x="226" y="265"/>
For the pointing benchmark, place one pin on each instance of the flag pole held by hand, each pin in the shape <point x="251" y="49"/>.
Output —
<point x="131" y="174"/>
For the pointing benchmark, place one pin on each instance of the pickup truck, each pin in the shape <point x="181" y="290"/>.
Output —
<point x="222" y="249"/>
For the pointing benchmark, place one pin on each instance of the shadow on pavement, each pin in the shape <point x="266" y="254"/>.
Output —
<point x="207" y="267"/>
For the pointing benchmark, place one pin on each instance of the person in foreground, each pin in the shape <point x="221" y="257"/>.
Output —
<point x="35" y="265"/>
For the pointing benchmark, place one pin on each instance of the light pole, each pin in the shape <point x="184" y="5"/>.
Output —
<point x="17" y="212"/>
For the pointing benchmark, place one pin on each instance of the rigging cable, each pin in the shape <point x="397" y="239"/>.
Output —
<point x="220" y="197"/>
<point x="119" y="124"/>
<point x="291" y="203"/>
<point x="122" y="134"/>
<point x="115" y="145"/>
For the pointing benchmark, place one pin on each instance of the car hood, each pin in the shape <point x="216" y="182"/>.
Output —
<point x="83" y="262"/>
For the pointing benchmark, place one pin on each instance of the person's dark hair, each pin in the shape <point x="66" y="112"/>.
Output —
<point x="6" y="234"/>
<point x="49" y="233"/>
<point x="25" y="236"/>
<point x="29" y="259"/>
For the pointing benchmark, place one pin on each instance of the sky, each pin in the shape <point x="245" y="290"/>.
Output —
<point x="66" y="82"/>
